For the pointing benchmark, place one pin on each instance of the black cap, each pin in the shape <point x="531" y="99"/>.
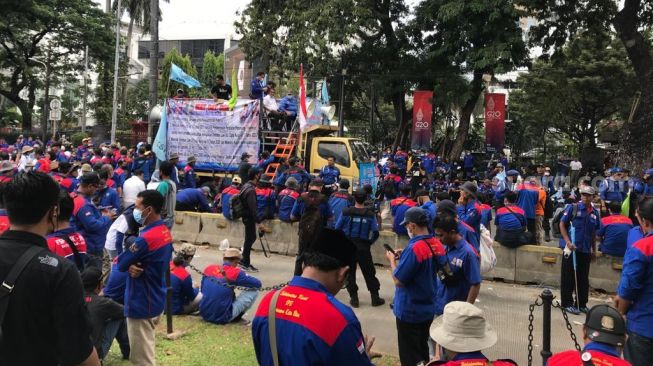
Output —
<point x="415" y="215"/>
<point x="335" y="244"/>
<point x="470" y="188"/>
<point x="90" y="178"/>
<point x="360" y="194"/>
<point x="245" y="155"/>
<point x="606" y="325"/>
<point x="421" y="193"/>
<point x="447" y="207"/>
<point x="91" y="277"/>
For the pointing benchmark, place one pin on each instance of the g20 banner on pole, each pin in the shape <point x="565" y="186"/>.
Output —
<point x="422" y="113"/>
<point x="495" y="121"/>
<point x="216" y="136"/>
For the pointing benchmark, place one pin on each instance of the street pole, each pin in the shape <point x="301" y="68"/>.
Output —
<point x="154" y="60"/>
<point x="85" y="90"/>
<point x="116" y="69"/>
<point x="46" y="98"/>
<point x="341" y="122"/>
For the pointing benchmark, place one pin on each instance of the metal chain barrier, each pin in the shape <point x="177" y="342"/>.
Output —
<point x="569" y="327"/>
<point x="531" y="318"/>
<point x="234" y="287"/>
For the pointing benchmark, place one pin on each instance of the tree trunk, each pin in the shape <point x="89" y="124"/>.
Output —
<point x="399" y="105"/>
<point x="476" y="87"/>
<point x="26" y="112"/>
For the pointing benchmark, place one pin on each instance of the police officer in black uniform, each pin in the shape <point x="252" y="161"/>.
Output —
<point x="360" y="225"/>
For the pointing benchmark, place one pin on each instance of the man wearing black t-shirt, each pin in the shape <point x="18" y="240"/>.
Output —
<point x="46" y="322"/>
<point x="221" y="90"/>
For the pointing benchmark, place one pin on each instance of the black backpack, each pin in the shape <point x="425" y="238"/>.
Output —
<point x="389" y="188"/>
<point x="237" y="204"/>
<point x="555" y="225"/>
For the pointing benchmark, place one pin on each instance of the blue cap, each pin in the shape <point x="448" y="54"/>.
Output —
<point x="616" y="170"/>
<point x="415" y="215"/>
<point x="648" y="171"/>
<point x="512" y="173"/>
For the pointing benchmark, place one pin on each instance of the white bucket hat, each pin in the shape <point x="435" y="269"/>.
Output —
<point x="462" y="328"/>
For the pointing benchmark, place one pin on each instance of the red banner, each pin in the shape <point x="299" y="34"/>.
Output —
<point x="422" y="113"/>
<point x="495" y="121"/>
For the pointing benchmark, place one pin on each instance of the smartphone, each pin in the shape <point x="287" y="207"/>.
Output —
<point x="389" y="249"/>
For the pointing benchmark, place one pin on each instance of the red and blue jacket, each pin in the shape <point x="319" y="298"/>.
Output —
<point x="527" y="197"/>
<point x="472" y="359"/>
<point x="471" y="214"/>
<point x="614" y="231"/>
<point x="398" y="208"/>
<point x="330" y="174"/>
<point x="634" y="235"/>
<point x="337" y="203"/>
<point x="510" y="221"/>
<point x="602" y="354"/>
<point x="114" y="288"/>
<point x="183" y="291"/>
<point x="194" y="197"/>
<point x="119" y="177"/>
<point x="109" y="199"/>
<point x="636" y="285"/>
<point x="392" y="179"/>
<point x="60" y="246"/>
<point x="217" y="300"/>
<point x="88" y="221"/>
<point x="486" y="215"/>
<point x="286" y="201"/>
<point x="312" y="328"/>
<point x="190" y="180"/>
<point x="613" y="190"/>
<point x="469" y="234"/>
<point x="414" y="301"/>
<point x="66" y="183"/>
<point x="145" y="295"/>
<point x="4" y="221"/>
<point x="227" y="193"/>
<point x="465" y="264"/>
<point x="401" y="159"/>
<point x="266" y="203"/>
<point x="431" y="210"/>
<point x="428" y="163"/>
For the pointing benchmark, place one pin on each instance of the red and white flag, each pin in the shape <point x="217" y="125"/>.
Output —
<point x="302" y="99"/>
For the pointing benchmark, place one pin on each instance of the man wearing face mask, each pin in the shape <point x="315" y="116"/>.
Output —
<point x="146" y="260"/>
<point x="413" y="272"/>
<point x="45" y="322"/>
<point x="65" y="241"/>
<point x="107" y="197"/>
<point x="92" y="223"/>
<point x="303" y="323"/>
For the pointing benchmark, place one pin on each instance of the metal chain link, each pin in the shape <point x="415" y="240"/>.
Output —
<point x="234" y="287"/>
<point x="569" y="327"/>
<point x="531" y="318"/>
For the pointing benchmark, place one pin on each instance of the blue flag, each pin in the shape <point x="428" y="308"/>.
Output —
<point x="325" y="93"/>
<point x="159" y="147"/>
<point x="178" y="75"/>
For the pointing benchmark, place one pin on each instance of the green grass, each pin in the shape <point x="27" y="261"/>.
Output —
<point x="206" y="344"/>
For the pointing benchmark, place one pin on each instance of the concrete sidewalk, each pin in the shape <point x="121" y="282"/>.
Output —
<point x="506" y="306"/>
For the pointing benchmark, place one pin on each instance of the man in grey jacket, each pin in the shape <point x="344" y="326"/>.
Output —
<point x="250" y="218"/>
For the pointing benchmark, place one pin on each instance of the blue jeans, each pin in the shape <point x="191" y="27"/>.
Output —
<point x="242" y="303"/>
<point x="638" y="350"/>
<point x="114" y="329"/>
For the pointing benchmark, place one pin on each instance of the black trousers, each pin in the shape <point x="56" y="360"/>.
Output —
<point x="180" y="206"/>
<point x="530" y="225"/>
<point x="638" y="350"/>
<point x="364" y="260"/>
<point x="567" y="284"/>
<point x="413" y="344"/>
<point x="250" y="238"/>
<point x="299" y="260"/>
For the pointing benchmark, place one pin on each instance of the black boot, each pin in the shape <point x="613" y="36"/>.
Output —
<point x="547" y="236"/>
<point x="376" y="300"/>
<point x="353" y="300"/>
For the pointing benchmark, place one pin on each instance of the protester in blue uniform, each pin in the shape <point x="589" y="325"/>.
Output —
<point x="468" y="165"/>
<point x="193" y="199"/>
<point x="635" y="291"/>
<point x="401" y="160"/>
<point x="311" y="209"/>
<point x="108" y="197"/>
<point x="88" y="220"/>
<point x="578" y="226"/>
<point x="301" y="176"/>
<point x="428" y="162"/>
<point x="614" y="188"/>
<point x="645" y="186"/>
<point x="614" y="231"/>
<point x="460" y="276"/>
<point x="413" y="270"/>
<point x="257" y="86"/>
<point x="527" y="196"/>
<point x="425" y="203"/>
<point x="511" y="223"/>
<point x="360" y="226"/>
<point x="227" y="193"/>
<point x="114" y="287"/>
<point x="448" y="208"/>
<point x="185" y="297"/>
<point x="398" y="208"/>
<point x="391" y="183"/>
<point x="330" y="175"/>
<point x="266" y="199"/>
<point x="190" y="178"/>
<point x="469" y="210"/>
<point x="266" y="159"/>
<point x="147" y="261"/>
<point x="286" y="199"/>
<point x="338" y="201"/>
<point x="144" y="163"/>
<point x="327" y="332"/>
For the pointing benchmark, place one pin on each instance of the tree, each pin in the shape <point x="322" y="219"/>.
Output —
<point x="212" y="66"/>
<point x="591" y="82"/>
<point x="560" y="20"/>
<point x="458" y="38"/>
<point x="66" y="27"/>
<point x="168" y="87"/>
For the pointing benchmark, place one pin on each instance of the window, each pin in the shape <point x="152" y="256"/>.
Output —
<point x="359" y="152"/>
<point x="337" y="149"/>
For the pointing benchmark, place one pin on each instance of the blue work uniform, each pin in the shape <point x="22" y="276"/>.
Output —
<point x="330" y="175"/>
<point x="612" y="190"/>
<point x="145" y="295"/>
<point x="465" y="264"/>
<point x="190" y="179"/>
<point x="298" y="173"/>
<point x="114" y="287"/>
<point x="358" y="224"/>
<point x="286" y="201"/>
<point x="469" y="234"/>
<point x="225" y="199"/>
<point x="643" y="188"/>
<point x="256" y="91"/>
<point x="614" y="231"/>
<point x="288" y="104"/>
<point x="428" y="163"/>
<point x="471" y="215"/>
<point x="586" y="224"/>
<point x="216" y="305"/>
<point x="263" y="163"/>
<point x="88" y="221"/>
<point x="145" y="164"/>
<point x="468" y="161"/>
<point x="431" y="210"/>
<point x="338" y="202"/>
<point x="486" y="215"/>
<point x="300" y="204"/>
<point x="312" y="328"/>
<point x="193" y="197"/>
<point x="527" y="197"/>
<point x="266" y="203"/>
<point x="636" y="285"/>
<point x="109" y="199"/>
<point x="634" y="235"/>
<point x="401" y="160"/>
<point x="510" y="221"/>
<point x="398" y="208"/>
<point x="414" y="300"/>
<point x="183" y="291"/>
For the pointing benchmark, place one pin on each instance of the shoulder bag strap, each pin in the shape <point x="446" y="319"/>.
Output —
<point x="512" y="212"/>
<point x="272" y="327"/>
<point x="10" y="281"/>
<point x="78" y="258"/>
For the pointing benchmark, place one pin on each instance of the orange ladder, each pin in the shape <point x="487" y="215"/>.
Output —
<point x="283" y="150"/>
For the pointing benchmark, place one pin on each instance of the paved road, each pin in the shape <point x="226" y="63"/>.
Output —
<point x="505" y="304"/>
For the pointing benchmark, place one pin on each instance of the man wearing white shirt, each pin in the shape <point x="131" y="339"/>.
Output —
<point x="277" y="118"/>
<point x="132" y="187"/>
<point x="575" y="167"/>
